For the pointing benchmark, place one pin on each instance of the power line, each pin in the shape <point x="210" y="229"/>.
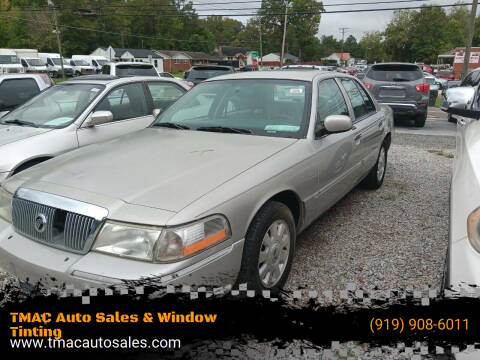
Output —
<point x="297" y="12"/>
<point x="117" y="33"/>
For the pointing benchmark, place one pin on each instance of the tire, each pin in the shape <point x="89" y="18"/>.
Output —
<point x="451" y="119"/>
<point x="420" y="120"/>
<point x="255" y="270"/>
<point x="375" y="177"/>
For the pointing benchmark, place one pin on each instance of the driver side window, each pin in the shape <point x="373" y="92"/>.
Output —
<point x="330" y="101"/>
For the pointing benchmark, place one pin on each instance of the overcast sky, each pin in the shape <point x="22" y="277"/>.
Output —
<point x="330" y="24"/>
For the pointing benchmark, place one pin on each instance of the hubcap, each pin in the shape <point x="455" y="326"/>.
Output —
<point x="274" y="252"/>
<point x="381" y="164"/>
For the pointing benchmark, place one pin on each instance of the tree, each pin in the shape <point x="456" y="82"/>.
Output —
<point x="351" y="46"/>
<point x="373" y="47"/>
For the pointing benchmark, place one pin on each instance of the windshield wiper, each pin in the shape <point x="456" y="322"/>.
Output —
<point x="225" y="129"/>
<point x="399" y="79"/>
<point x="19" y="122"/>
<point x="171" y="125"/>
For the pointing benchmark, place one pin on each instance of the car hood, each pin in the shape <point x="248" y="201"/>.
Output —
<point x="160" y="168"/>
<point x="11" y="133"/>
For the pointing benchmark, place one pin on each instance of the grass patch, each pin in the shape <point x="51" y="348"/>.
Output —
<point x="59" y="80"/>
<point x="178" y="74"/>
<point x="438" y="102"/>
<point x="399" y="186"/>
<point x="390" y="197"/>
<point x="441" y="153"/>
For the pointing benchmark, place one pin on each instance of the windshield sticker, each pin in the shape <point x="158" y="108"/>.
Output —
<point x="288" y="128"/>
<point x="296" y="91"/>
<point x="95" y="89"/>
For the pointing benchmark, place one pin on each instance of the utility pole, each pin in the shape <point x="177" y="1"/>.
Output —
<point x="284" y="33"/>
<point x="468" y="49"/>
<point x="57" y="32"/>
<point x="342" y="30"/>
<point x="261" y="45"/>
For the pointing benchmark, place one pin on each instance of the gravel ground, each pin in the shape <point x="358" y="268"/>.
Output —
<point x="390" y="238"/>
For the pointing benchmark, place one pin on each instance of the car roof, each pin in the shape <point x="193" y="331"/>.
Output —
<point x="396" y="63"/>
<point x="114" y="80"/>
<point x="20" y="76"/>
<point x="301" y="75"/>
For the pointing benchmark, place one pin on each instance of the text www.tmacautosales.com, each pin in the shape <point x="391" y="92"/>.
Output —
<point x="95" y="343"/>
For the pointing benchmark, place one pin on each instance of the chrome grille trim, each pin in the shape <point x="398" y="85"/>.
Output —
<point x="68" y="226"/>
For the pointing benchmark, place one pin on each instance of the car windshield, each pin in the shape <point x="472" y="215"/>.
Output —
<point x="101" y="62"/>
<point x="9" y="59"/>
<point x="80" y="63"/>
<point x="56" y="61"/>
<point x="136" y="70"/>
<point x="208" y="72"/>
<point x="56" y="107"/>
<point x="35" y="62"/>
<point x="264" y="107"/>
<point x="394" y="72"/>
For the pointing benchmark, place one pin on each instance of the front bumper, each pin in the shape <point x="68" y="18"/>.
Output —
<point x="463" y="265"/>
<point x="40" y="264"/>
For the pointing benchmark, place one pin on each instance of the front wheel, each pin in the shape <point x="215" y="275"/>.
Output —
<point x="269" y="248"/>
<point x="375" y="177"/>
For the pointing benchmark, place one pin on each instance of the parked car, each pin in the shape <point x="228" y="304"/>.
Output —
<point x="54" y="64"/>
<point x="434" y="89"/>
<point x="81" y="67"/>
<point x="17" y="89"/>
<point x="9" y="62"/>
<point x="122" y="69"/>
<point x="199" y="73"/>
<point x="166" y="74"/>
<point x="95" y="61"/>
<point x="214" y="192"/>
<point x="463" y="256"/>
<point x="403" y="87"/>
<point x="472" y="80"/>
<point x="34" y="65"/>
<point x="446" y="74"/>
<point x="80" y="112"/>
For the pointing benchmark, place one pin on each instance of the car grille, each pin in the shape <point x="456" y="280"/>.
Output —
<point x="59" y="228"/>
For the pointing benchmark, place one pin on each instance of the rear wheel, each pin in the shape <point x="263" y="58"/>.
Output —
<point x="420" y="120"/>
<point x="269" y="248"/>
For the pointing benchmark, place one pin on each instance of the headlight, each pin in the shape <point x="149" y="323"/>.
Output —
<point x="161" y="244"/>
<point x="473" y="228"/>
<point x="5" y="205"/>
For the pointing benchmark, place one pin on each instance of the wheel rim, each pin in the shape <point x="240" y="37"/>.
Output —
<point x="274" y="253"/>
<point x="381" y="164"/>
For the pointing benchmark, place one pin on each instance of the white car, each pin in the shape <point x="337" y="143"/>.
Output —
<point x="81" y="67"/>
<point x="463" y="257"/>
<point x="122" y="69"/>
<point x="16" y="89"/>
<point x="76" y="113"/>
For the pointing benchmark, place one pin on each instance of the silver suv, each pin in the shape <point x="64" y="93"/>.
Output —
<point x="403" y="87"/>
<point x="80" y="112"/>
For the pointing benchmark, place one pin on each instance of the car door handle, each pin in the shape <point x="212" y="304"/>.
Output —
<point x="462" y="122"/>
<point x="357" y="137"/>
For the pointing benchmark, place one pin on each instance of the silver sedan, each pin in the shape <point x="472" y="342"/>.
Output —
<point x="215" y="192"/>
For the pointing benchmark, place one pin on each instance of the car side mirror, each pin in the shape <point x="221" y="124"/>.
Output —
<point x="460" y="110"/>
<point x="337" y="123"/>
<point x="157" y="112"/>
<point x="98" y="118"/>
<point x="458" y="99"/>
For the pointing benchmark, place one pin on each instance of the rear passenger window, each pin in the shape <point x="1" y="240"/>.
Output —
<point x="370" y="106"/>
<point x="164" y="94"/>
<point x="330" y="101"/>
<point x="16" y="91"/>
<point x="125" y="102"/>
<point x="357" y="97"/>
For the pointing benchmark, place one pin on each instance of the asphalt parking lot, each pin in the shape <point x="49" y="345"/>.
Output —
<point x="392" y="238"/>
